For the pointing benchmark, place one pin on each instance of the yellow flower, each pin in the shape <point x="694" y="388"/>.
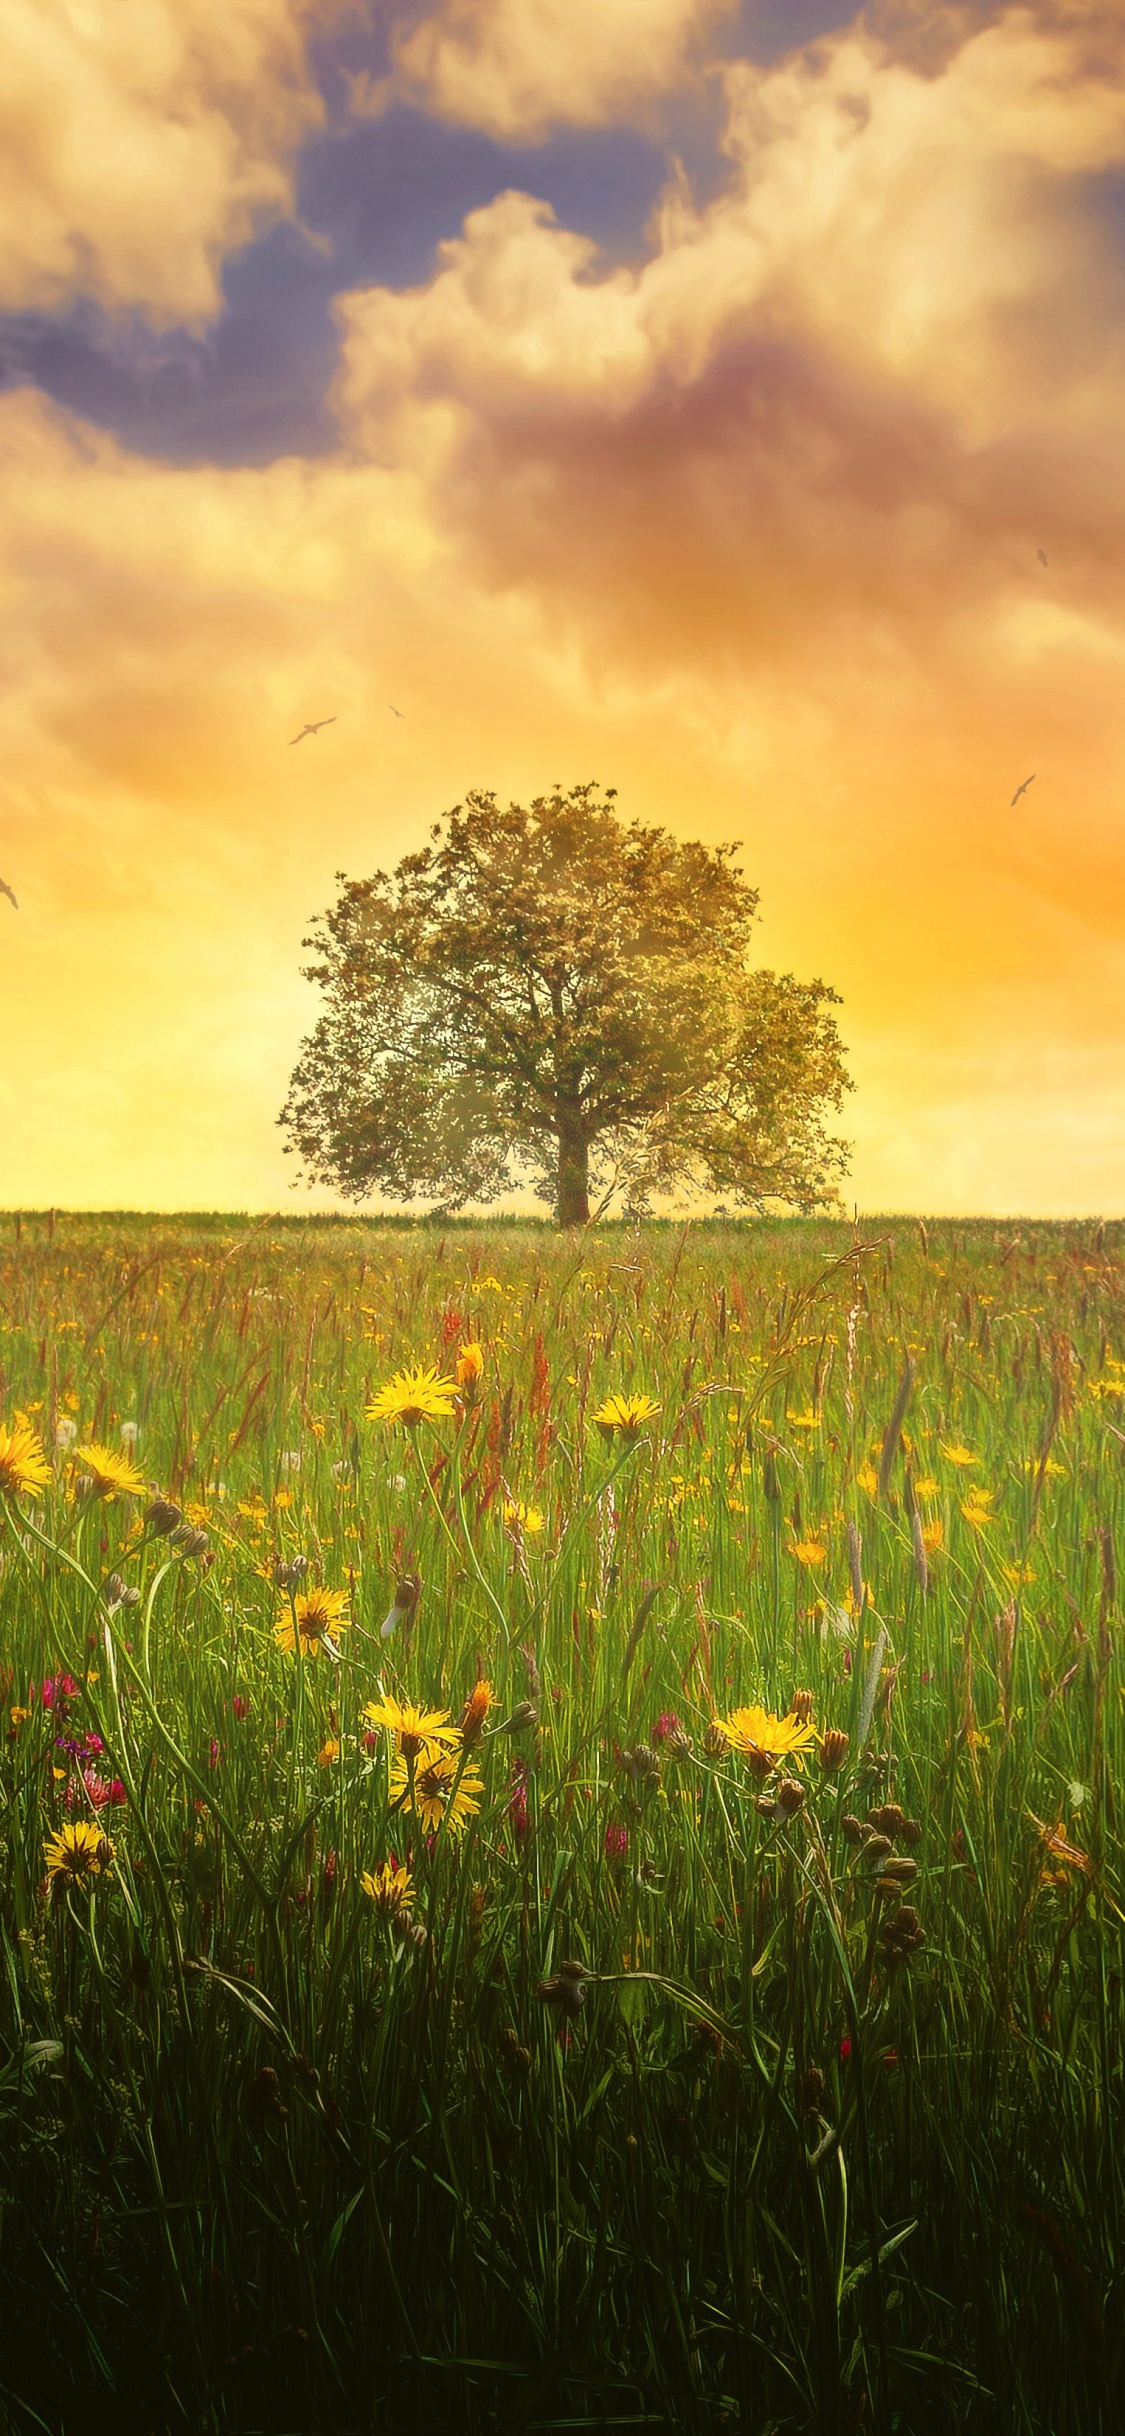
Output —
<point x="413" y="1396"/>
<point x="527" y="1519"/>
<point x="109" y="1474"/>
<point x="764" y="1739"/>
<point x="1018" y="1575"/>
<point x="19" y="1716"/>
<point x="391" y="1890"/>
<point x="476" y="1709"/>
<point x="806" y="1420"/>
<point x="957" y="1454"/>
<point x="808" y="1551"/>
<point x="976" y="1508"/>
<point x="868" y="1479"/>
<point x="328" y="1751"/>
<point x="469" y="1373"/>
<point x="624" y="1416"/>
<point x="419" y="1733"/>
<point x="321" y="1614"/>
<point x="933" y="1534"/>
<point x="434" y="1797"/>
<point x="24" y="1469"/>
<point x="77" y="1852"/>
<point x="927" y="1487"/>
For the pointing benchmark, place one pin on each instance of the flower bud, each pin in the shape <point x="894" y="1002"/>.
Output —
<point x="834" y="1744"/>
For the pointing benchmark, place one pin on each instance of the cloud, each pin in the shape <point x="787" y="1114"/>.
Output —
<point x="141" y="141"/>
<point x="518" y="68"/>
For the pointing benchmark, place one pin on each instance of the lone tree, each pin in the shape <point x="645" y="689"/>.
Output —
<point x="548" y="995"/>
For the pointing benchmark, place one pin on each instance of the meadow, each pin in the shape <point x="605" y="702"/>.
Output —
<point x="708" y="2012"/>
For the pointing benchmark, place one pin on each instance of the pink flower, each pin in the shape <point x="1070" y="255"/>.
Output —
<point x="845" y="2050"/>
<point x="517" y="1801"/>
<point x="616" y="1843"/>
<point x="214" y="1755"/>
<point x="240" y="1706"/>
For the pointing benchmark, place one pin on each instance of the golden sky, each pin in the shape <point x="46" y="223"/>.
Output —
<point x="663" y="391"/>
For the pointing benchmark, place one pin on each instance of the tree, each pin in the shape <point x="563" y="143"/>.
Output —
<point x="549" y="995"/>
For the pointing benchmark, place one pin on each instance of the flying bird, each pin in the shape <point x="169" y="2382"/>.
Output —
<point x="398" y="714"/>
<point x="1021" y="791"/>
<point x="312" y="727"/>
<point x="8" y="892"/>
<point x="1042" y="558"/>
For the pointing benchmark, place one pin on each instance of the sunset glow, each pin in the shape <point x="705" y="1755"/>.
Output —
<point x="725" y="404"/>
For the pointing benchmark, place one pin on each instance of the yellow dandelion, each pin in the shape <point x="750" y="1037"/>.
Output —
<point x="24" y="1469"/>
<point x="321" y="1615"/>
<point x="391" y="1889"/>
<point x="109" y="1474"/>
<point x="526" y="1519"/>
<point x="413" y="1396"/>
<point x="958" y="1455"/>
<point x="419" y="1733"/>
<point x="624" y="1416"/>
<point x="77" y="1852"/>
<point x="762" y="1739"/>
<point x="443" y="1789"/>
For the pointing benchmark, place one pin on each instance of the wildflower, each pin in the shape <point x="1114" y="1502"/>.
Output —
<point x="66" y="1431"/>
<point x="784" y="1803"/>
<point x="933" y="1534"/>
<point x="163" y="1516"/>
<point x="391" y="1889"/>
<point x="443" y="1789"/>
<point x="1057" y="1845"/>
<point x="419" y="1733"/>
<point x="763" y="1739"/>
<point x="240" y="1707"/>
<point x="402" y="1606"/>
<point x="24" y="1469"/>
<point x="413" y="1396"/>
<point x="868" y="1479"/>
<point x="18" y="1716"/>
<point x="469" y="1373"/>
<point x="624" y="1417"/>
<point x="616" y="1843"/>
<point x="110" y="1475"/>
<point x="808" y="1551"/>
<point x="527" y="1520"/>
<point x="669" y="1736"/>
<point x="715" y="1742"/>
<point x="329" y="1750"/>
<point x="76" y="1853"/>
<point x="518" y="1809"/>
<point x="127" y="1433"/>
<point x="975" y="1508"/>
<point x="958" y="1455"/>
<point x="801" y="1707"/>
<point x="845" y="2050"/>
<point x="1018" y="1575"/>
<point x="481" y="1699"/>
<point x="320" y="1614"/>
<point x="833" y="1749"/>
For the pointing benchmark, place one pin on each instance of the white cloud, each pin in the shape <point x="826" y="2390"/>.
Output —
<point x="140" y="140"/>
<point x="517" y="68"/>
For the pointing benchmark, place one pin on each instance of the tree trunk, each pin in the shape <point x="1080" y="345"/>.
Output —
<point x="572" y="1207"/>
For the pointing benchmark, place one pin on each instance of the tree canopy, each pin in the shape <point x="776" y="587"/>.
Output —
<point x="550" y="996"/>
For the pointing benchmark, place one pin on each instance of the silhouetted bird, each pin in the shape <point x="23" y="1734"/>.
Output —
<point x="398" y="714"/>
<point x="1021" y="790"/>
<point x="312" y="727"/>
<point x="1042" y="558"/>
<point x="8" y="892"/>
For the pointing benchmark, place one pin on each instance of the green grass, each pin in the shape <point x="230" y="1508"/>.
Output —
<point x="268" y="2162"/>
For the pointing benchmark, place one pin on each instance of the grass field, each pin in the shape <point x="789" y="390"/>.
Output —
<point x="823" y="2127"/>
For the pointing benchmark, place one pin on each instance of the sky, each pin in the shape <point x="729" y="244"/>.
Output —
<point x="680" y="394"/>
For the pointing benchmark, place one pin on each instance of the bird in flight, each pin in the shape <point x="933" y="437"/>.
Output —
<point x="398" y="714"/>
<point x="1021" y="791"/>
<point x="8" y="892"/>
<point x="312" y="727"/>
<point x="1042" y="558"/>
